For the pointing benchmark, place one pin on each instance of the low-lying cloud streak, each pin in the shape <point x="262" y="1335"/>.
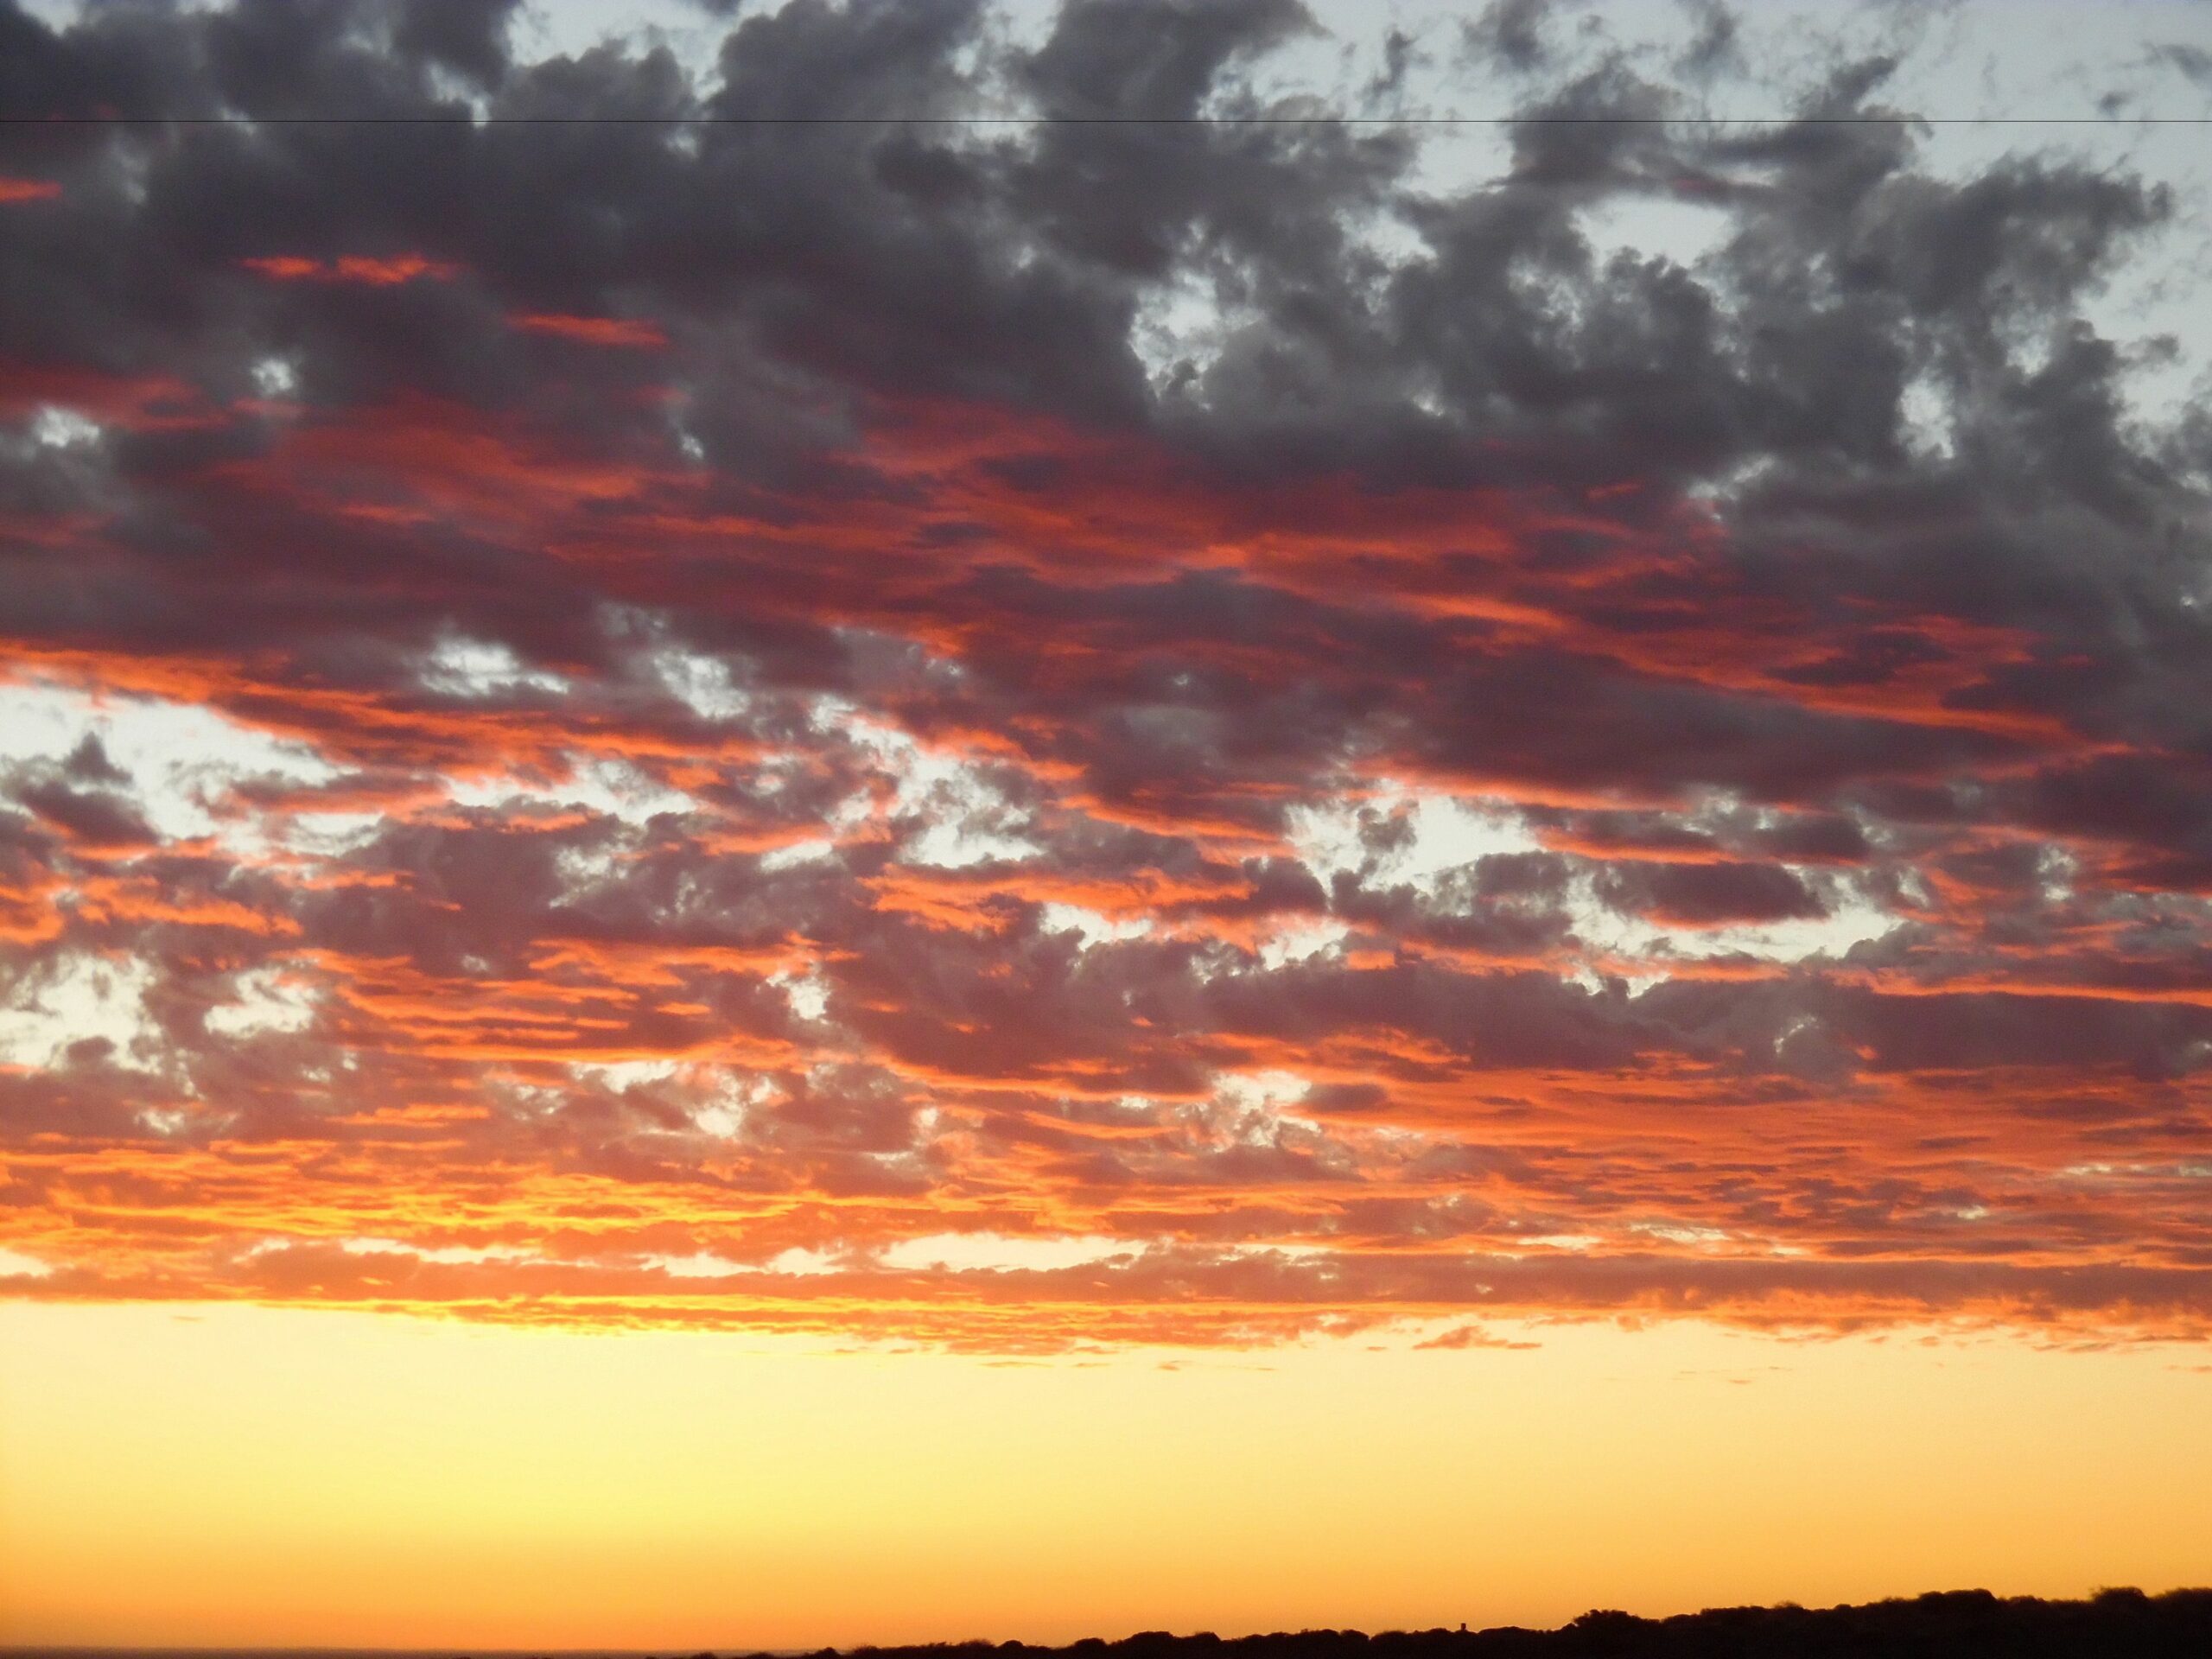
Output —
<point x="785" y="711"/>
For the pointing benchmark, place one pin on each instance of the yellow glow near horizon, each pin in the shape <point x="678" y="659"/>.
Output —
<point x="234" y="1475"/>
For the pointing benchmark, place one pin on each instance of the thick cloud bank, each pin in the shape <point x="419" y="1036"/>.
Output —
<point x="781" y="708"/>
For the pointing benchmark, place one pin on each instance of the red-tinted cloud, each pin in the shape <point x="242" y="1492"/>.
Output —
<point x="368" y="272"/>
<point x="593" y="331"/>
<point x="1492" y="781"/>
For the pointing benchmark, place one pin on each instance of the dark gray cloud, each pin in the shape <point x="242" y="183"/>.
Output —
<point x="810" y="677"/>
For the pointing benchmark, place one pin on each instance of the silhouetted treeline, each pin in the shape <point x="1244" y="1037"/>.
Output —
<point x="2113" y="1624"/>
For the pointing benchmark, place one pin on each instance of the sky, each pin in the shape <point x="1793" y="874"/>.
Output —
<point x="892" y="821"/>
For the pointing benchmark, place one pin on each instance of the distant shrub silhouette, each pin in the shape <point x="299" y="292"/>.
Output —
<point x="2113" y="1624"/>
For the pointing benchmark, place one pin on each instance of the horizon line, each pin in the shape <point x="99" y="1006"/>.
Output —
<point x="685" y="1650"/>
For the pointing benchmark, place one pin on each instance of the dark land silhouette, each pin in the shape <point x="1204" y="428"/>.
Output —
<point x="2112" y="1624"/>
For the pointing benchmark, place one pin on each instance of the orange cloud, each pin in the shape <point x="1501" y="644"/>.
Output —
<point x="592" y="331"/>
<point x="360" y="270"/>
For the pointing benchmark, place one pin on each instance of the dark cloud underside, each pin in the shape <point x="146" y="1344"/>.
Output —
<point x="649" y="721"/>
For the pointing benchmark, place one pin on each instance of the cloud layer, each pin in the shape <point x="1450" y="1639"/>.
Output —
<point x="786" y="710"/>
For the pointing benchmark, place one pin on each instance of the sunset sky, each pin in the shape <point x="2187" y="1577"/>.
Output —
<point x="897" y="820"/>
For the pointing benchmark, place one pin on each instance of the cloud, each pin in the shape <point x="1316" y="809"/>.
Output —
<point x="1125" y="727"/>
<point x="352" y="268"/>
<point x="592" y="331"/>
